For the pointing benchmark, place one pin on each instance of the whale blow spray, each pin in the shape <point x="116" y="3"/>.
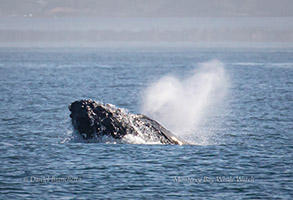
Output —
<point x="182" y="104"/>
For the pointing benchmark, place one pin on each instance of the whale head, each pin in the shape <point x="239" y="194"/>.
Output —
<point x="93" y="119"/>
<point x="82" y="117"/>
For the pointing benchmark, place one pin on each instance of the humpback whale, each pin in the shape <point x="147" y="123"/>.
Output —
<point x="93" y="119"/>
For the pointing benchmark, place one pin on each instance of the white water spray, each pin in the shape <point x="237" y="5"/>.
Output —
<point x="181" y="105"/>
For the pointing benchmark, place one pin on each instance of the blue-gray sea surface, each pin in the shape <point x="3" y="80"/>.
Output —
<point x="247" y="156"/>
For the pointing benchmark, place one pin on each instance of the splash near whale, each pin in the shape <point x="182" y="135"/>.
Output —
<point x="186" y="105"/>
<point x="93" y="120"/>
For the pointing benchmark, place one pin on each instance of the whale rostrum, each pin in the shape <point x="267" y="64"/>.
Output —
<point x="93" y="119"/>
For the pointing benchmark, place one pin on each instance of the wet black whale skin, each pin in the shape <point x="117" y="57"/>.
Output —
<point x="92" y="119"/>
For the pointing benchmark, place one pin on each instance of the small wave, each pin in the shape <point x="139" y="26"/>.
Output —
<point x="248" y="64"/>
<point x="75" y="137"/>
<point x="251" y="64"/>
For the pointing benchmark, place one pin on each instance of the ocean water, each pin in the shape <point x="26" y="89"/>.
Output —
<point x="243" y="144"/>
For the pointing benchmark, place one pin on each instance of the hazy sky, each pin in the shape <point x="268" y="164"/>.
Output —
<point x="146" y="20"/>
<point x="145" y="8"/>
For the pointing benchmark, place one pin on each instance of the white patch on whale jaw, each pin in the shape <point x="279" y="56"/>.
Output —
<point x="176" y="140"/>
